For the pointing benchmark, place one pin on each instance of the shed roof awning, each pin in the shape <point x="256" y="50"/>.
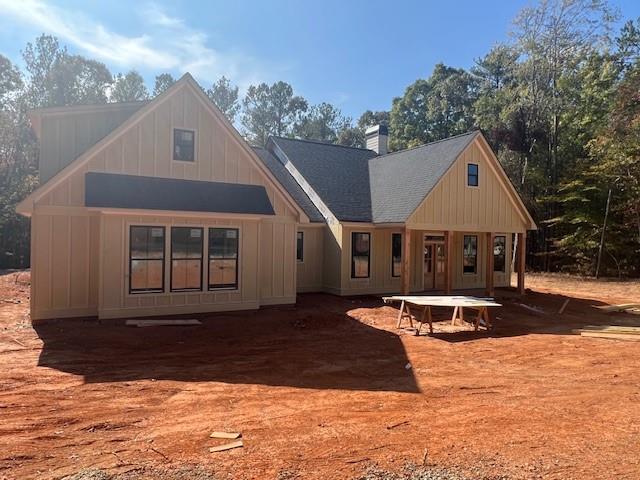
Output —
<point x="108" y="190"/>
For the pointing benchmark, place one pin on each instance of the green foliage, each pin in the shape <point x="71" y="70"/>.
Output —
<point x="324" y="123"/>
<point x="162" y="83"/>
<point x="225" y="96"/>
<point x="129" y="88"/>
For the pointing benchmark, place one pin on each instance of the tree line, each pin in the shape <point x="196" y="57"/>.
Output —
<point x="559" y="102"/>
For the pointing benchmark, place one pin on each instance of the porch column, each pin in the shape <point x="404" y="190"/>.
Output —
<point x="521" y="255"/>
<point x="448" y="262"/>
<point x="405" y="280"/>
<point x="489" y="265"/>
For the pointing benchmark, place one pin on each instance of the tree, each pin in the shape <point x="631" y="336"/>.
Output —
<point x="163" y="82"/>
<point x="129" y="88"/>
<point x="10" y="78"/>
<point x="322" y="122"/>
<point x="271" y="110"/>
<point x="433" y="109"/>
<point x="225" y="96"/>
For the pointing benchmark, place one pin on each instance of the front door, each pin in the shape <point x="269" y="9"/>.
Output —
<point x="434" y="262"/>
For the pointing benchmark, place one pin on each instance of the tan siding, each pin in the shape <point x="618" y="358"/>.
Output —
<point x="332" y="254"/>
<point x="311" y="268"/>
<point x="452" y="205"/>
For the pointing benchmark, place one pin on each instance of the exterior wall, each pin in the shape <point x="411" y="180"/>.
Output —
<point x="64" y="265"/>
<point x="80" y="257"/>
<point x="452" y="205"/>
<point x="332" y="254"/>
<point x="65" y="136"/>
<point x="258" y="283"/>
<point x="464" y="280"/>
<point x="310" y="270"/>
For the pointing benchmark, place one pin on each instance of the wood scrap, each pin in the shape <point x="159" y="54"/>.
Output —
<point x="610" y="329"/>
<point x="227" y="446"/>
<point x="163" y="323"/>
<point x="618" y="308"/>
<point x="537" y="310"/>
<point x="613" y="336"/>
<point x="391" y="427"/>
<point x="229" y="435"/>
<point x="564" y="305"/>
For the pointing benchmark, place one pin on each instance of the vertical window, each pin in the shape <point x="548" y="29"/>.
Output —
<point x="186" y="258"/>
<point x="300" y="247"/>
<point x="396" y="254"/>
<point x="184" y="145"/>
<point x="470" y="254"/>
<point x="499" y="253"/>
<point x="146" y="259"/>
<point x="360" y="251"/>
<point x="472" y="174"/>
<point x="223" y="258"/>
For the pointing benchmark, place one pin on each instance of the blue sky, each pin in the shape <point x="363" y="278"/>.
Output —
<point x="355" y="54"/>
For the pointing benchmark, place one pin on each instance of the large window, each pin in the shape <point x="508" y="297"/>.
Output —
<point x="223" y="258"/>
<point x="184" y="145"/>
<point x="300" y="247"/>
<point x="470" y="254"/>
<point x="472" y="174"/>
<point x="360" y="254"/>
<point x="186" y="258"/>
<point x="146" y="259"/>
<point x="499" y="253"/>
<point x="396" y="254"/>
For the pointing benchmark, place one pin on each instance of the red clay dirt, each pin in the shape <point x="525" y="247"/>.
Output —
<point x="324" y="389"/>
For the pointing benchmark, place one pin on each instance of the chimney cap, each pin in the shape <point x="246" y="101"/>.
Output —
<point x="377" y="130"/>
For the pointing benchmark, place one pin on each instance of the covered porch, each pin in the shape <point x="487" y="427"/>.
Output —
<point x="450" y="260"/>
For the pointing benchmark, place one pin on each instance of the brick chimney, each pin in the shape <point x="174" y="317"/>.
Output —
<point x="377" y="138"/>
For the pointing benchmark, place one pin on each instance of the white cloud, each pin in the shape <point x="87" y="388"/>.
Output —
<point x="167" y="44"/>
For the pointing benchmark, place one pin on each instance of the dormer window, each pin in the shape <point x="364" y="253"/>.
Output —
<point x="184" y="145"/>
<point x="472" y="174"/>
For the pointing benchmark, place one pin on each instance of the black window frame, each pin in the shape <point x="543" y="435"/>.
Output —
<point x="300" y="247"/>
<point x="353" y="264"/>
<point x="475" y="255"/>
<point x="393" y="263"/>
<point x="138" y="291"/>
<point x="176" y="132"/>
<point x="475" y="176"/>
<point x="504" y="254"/>
<point x="226" y="286"/>
<point x="172" y="259"/>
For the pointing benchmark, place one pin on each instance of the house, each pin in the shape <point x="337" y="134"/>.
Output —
<point x="161" y="207"/>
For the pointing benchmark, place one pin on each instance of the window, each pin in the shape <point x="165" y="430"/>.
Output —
<point x="146" y="259"/>
<point x="472" y="174"/>
<point x="223" y="258"/>
<point x="183" y="145"/>
<point x="186" y="259"/>
<point x="396" y="254"/>
<point x="499" y="253"/>
<point x="470" y="254"/>
<point x="360" y="250"/>
<point x="300" y="247"/>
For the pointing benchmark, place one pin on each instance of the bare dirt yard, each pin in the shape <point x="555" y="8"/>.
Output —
<point x="328" y="388"/>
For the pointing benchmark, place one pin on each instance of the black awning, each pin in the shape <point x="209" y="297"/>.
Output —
<point x="110" y="190"/>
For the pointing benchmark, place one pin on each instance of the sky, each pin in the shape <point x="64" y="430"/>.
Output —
<point x="355" y="54"/>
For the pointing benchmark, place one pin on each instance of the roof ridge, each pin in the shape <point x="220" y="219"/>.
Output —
<point x="319" y="142"/>
<point x="428" y="144"/>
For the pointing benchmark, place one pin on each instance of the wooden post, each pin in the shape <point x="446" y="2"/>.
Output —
<point x="448" y="262"/>
<point x="522" y="255"/>
<point x="406" y="262"/>
<point x="489" y="266"/>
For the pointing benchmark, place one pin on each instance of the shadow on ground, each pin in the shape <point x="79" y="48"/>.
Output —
<point x="301" y="346"/>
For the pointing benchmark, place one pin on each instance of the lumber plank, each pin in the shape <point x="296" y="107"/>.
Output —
<point x="226" y="446"/>
<point x="229" y="435"/>
<point x="614" y="336"/>
<point x="163" y="323"/>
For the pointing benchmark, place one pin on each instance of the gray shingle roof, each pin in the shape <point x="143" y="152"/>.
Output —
<point x="131" y="191"/>
<point x="289" y="184"/>
<point x="339" y="175"/>
<point x="401" y="180"/>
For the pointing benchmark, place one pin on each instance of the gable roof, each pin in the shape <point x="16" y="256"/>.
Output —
<point x="401" y="180"/>
<point x="338" y="174"/>
<point x="25" y="207"/>
<point x="112" y="190"/>
<point x="288" y="182"/>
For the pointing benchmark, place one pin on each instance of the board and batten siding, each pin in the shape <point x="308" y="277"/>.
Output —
<point x="311" y="267"/>
<point x="452" y="205"/>
<point x="80" y="257"/>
